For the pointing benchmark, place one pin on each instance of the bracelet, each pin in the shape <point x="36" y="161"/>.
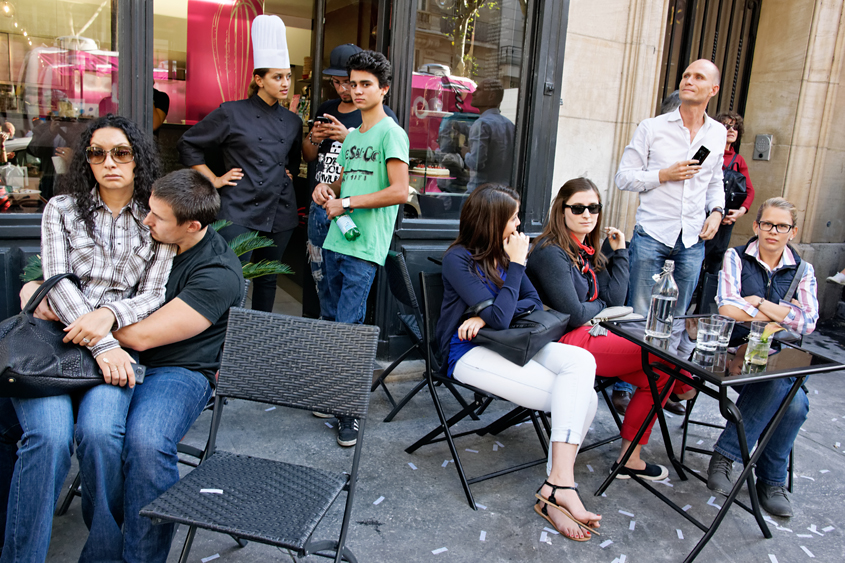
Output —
<point x="311" y="140"/>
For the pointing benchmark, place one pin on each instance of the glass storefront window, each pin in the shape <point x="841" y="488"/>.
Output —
<point x="58" y="70"/>
<point x="465" y="90"/>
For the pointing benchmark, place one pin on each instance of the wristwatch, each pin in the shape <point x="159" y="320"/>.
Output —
<point x="347" y="204"/>
<point x="720" y="210"/>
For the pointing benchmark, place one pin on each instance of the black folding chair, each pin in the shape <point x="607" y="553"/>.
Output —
<point x="399" y="282"/>
<point x="432" y="294"/>
<point x="291" y="362"/>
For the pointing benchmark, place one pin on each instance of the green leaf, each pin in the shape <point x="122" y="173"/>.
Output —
<point x="32" y="271"/>
<point x="265" y="268"/>
<point x="247" y="242"/>
<point x="220" y="224"/>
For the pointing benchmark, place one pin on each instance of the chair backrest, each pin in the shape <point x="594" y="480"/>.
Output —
<point x="297" y="362"/>
<point x="431" y="285"/>
<point x="399" y="281"/>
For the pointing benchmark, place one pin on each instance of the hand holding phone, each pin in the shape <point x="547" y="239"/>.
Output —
<point x="701" y="155"/>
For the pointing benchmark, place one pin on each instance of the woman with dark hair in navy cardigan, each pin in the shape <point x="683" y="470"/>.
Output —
<point x="488" y="261"/>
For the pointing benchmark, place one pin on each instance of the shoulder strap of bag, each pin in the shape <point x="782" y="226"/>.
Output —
<point x="45" y="288"/>
<point x="477" y="308"/>
<point x="731" y="163"/>
<point x="799" y="273"/>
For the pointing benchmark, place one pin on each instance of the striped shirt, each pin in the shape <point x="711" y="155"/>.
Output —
<point x="120" y="268"/>
<point x="801" y="318"/>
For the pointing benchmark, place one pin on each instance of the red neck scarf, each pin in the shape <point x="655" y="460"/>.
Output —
<point x="584" y="252"/>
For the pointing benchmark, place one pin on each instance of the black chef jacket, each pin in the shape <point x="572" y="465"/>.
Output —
<point x="262" y="140"/>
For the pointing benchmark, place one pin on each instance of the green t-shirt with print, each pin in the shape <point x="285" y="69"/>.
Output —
<point x="364" y="159"/>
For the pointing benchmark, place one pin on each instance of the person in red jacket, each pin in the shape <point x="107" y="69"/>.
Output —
<point x="714" y="249"/>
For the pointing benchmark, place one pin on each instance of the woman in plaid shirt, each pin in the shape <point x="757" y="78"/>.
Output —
<point x="95" y="231"/>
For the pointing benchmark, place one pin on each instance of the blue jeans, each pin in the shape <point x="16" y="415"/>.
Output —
<point x="318" y="228"/>
<point x="646" y="257"/>
<point x="758" y="402"/>
<point x="44" y="461"/>
<point x="348" y="280"/>
<point x="10" y="434"/>
<point x="162" y="410"/>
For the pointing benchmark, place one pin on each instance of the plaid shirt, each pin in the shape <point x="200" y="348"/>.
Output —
<point x="121" y="268"/>
<point x="801" y="319"/>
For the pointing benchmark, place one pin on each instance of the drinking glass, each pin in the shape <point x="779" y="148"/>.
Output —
<point x="708" y="334"/>
<point x="725" y="332"/>
<point x="757" y="352"/>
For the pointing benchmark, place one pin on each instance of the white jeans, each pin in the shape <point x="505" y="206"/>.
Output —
<point x="558" y="379"/>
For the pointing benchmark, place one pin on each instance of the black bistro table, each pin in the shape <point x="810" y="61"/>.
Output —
<point x="714" y="380"/>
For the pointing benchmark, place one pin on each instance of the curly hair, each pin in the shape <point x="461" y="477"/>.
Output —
<point x="739" y="123"/>
<point x="79" y="179"/>
<point x="373" y="62"/>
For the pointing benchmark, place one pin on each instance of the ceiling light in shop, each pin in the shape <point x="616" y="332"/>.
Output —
<point x="8" y="9"/>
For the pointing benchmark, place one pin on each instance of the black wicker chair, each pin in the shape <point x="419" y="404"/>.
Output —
<point x="432" y="294"/>
<point x="291" y="362"/>
<point x="399" y="282"/>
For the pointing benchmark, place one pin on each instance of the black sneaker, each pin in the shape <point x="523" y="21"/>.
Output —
<point x="347" y="431"/>
<point x="652" y="472"/>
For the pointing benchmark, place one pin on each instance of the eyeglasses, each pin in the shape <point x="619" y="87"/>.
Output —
<point x="344" y="85"/>
<point x="731" y="127"/>
<point x="121" y="154"/>
<point x="577" y="209"/>
<point x="780" y="227"/>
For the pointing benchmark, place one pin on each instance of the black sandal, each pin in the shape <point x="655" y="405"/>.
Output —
<point x="552" y="501"/>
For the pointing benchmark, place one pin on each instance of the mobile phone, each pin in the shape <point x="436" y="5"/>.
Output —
<point x="322" y="119"/>
<point x="701" y="155"/>
<point x="140" y="372"/>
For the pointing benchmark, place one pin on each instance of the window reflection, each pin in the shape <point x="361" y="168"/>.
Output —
<point x="58" y="66"/>
<point x="464" y="98"/>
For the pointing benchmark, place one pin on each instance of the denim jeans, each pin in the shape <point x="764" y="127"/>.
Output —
<point x="348" y="280"/>
<point x="162" y="410"/>
<point x="646" y="259"/>
<point x="44" y="461"/>
<point x="263" y="287"/>
<point x="10" y="434"/>
<point x="758" y="402"/>
<point x="318" y="228"/>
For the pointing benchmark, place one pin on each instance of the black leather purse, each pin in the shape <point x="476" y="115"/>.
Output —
<point x="34" y="362"/>
<point x="527" y="334"/>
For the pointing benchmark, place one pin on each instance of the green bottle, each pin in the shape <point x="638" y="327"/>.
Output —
<point x="347" y="227"/>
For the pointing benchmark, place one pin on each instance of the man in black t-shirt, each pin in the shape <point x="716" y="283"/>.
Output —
<point x="323" y="146"/>
<point x="181" y="345"/>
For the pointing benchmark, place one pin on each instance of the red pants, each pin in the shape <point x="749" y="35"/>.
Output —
<point x="617" y="357"/>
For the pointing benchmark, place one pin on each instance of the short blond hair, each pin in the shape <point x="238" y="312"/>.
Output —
<point x="779" y="203"/>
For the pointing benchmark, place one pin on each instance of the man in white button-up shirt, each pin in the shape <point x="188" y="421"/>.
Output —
<point x="681" y="200"/>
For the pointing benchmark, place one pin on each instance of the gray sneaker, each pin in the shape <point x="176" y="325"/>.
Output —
<point x="719" y="474"/>
<point x="773" y="499"/>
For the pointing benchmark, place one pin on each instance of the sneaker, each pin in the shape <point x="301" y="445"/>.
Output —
<point x="652" y="472"/>
<point x="773" y="499"/>
<point x="719" y="474"/>
<point x="322" y="414"/>
<point x="347" y="431"/>
<point x="838" y="278"/>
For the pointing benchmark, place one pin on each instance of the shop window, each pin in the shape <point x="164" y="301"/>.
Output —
<point x="464" y="98"/>
<point x="58" y="70"/>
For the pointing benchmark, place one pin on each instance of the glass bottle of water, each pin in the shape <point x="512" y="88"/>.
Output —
<point x="350" y="230"/>
<point x="661" y="312"/>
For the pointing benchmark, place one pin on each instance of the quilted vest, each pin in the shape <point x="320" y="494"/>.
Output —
<point x="757" y="280"/>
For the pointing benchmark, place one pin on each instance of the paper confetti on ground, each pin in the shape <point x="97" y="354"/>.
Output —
<point x="700" y="442"/>
<point x="813" y="529"/>
<point x="823" y="471"/>
<point x="445" y="463"/>
<point x="803" y="535"/>
<point x="267" y="410"/>
<point x="712" y="502"/>
<point x="212" y="491"/>
<point x="378" y="501"/>
<point x="438" y="551"/>
<point x="329" y="425"/>
<point x="210" y="558"/>
<point x="828" y="529"/>
<point x="687" y="507"/>
<point x="816" y="391"/>
<point x="782" y="529"/>
<point x="549" y="530"/>
<point x="836" y="445"/>
<point x="412" y="466"/>
<point x="544" y="537"/>
<point x="805" y="477"/>
<point x="623" y="513"/>
<point x="773" y="559"/>
<point x="669" y="415"/>
<point x="482" y="536"/>
<point x="481" y="506"/>
<point x="501" y="445"/>
<point x="471" y="451"/>
<point x="605" y="543"/>
<point x="665" y="482"/>
<point x="495" y="448"/>
<point x="808" y="552"/>
<point x="589" y="468"/>
<point x="680" y="534"/>
<point x="632" y="525"/>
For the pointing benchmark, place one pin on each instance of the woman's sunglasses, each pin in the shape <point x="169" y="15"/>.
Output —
<point x="121" y="154"/>
<point x="577" y="209"/>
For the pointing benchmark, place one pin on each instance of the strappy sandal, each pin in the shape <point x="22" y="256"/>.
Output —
<point x="552" y="501"/>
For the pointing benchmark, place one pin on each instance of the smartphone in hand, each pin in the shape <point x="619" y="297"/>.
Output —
<point x="701" y="155"/>
<point x="140" y="372"/>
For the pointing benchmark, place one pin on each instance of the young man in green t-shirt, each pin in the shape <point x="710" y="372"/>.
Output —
<point x="372" y="183"/>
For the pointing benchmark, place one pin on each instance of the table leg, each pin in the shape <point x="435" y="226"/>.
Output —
<point x="658" y="402"/>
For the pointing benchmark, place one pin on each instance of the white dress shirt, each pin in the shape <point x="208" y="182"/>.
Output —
<point x="671" y="208"/>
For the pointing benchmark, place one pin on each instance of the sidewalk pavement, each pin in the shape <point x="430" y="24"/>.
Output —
<point x="423" y="508"/>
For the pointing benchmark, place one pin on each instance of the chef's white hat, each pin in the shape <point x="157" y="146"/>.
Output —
<point x="269" y="43"/>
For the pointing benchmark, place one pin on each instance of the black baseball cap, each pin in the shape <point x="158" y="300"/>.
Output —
<point x="338" y="58"/>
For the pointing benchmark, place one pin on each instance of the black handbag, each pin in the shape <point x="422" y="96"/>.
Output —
<point x="527" y="333"/>
<point x="34" y="362"/>
<point x="736" y="188"/>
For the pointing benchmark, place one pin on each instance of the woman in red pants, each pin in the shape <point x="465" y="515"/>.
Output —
<point x="573" y="275"/>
